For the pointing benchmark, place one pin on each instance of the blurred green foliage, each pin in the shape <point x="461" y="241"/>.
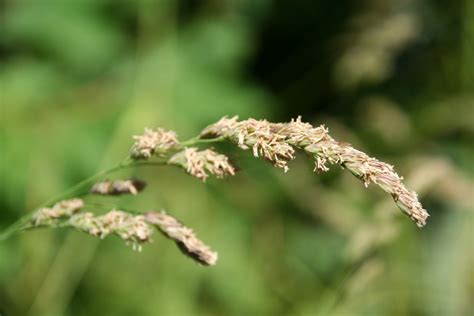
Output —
<point x="395" y="78"/>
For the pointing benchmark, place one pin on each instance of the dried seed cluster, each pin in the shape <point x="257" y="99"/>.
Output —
<point x="118" y="187"/>
<point x="133" y="229"/>
<point x="184" y="237"/>
<point x="257" y="135"/>
<point x="200" y="163"/>
<point x="275" y="141"/>
<point x="153" y="142"/>
<point x="63" y="209"/>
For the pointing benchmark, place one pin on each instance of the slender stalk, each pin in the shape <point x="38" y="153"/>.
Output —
<point x="197" y="140"/>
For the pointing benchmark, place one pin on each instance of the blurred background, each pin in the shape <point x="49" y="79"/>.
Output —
<point x="393" y="77"/>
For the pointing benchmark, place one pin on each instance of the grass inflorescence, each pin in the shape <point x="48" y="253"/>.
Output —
<point x="277" y="143"/>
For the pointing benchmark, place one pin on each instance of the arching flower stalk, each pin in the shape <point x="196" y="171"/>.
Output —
<point x="274" y="142"/>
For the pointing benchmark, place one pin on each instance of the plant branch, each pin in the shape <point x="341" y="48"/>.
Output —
<point x="82" y="188"/>
<point x="76" y="190"/>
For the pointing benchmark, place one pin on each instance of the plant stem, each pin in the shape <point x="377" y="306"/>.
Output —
<point x="197" y="140"/>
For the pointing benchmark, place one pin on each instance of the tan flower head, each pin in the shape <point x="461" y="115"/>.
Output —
<point x="220" y="128"/>
<point x="153" y="142"/>
<point x="200" y="163"/>
<point x="258" y="135"/>
<point x="131" y="228"/>
<point x="118" y="187"/>
<point x="327" y="150"/>
<point x="62" y="209"/>
<point x="184" y="237"/>
<point x="275" y="142"/>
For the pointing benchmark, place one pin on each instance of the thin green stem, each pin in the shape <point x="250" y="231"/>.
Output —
<point x="197" y="140"/>
<point x="76" y="189"/>
<point x="150" y="163"/>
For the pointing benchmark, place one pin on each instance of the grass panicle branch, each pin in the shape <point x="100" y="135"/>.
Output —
<point x="275" y="141"/>
<point x="183" y="236"/>
<point x="133" y="229"/>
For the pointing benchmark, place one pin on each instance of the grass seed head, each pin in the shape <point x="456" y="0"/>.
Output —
<point x="153" y="142"/>
<point x="184" y="237"/>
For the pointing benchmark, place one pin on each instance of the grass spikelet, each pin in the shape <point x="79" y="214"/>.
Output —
<point x="133" y="229"/>
<point x="118" y="187"/>
<point x="200" y="163"/>
<point x="275" y="142"/>
<point x="153" y="142"/>
<point x="184" y="237"/>
<point x="63" y="209"/>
